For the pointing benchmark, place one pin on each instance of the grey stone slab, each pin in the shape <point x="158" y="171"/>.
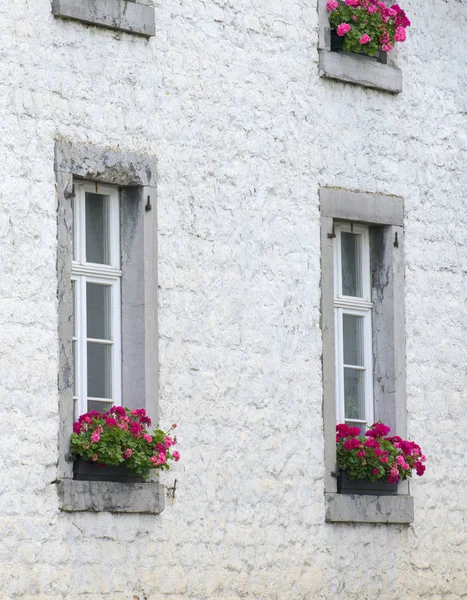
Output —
<point x="106" y="496"/>
<point x="361" y="206"/>
<point x="139" y="299"/>
<point x="132" y="17"/>
<point x="360" y="70"/>
<point x="108" y="165"/>
<point x="387" y="265"/>
<point x="65" y="322"/>
<point x="328" y="361"/>
<point x="343" y="508"/>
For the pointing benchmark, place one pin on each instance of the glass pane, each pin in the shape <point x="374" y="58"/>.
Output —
<point x="351" y="264"/>
<point x="73" y="229"/>
<point x="354" y="394"/>
<point x="353" y="340"/>
<point x="99" y="406"/>
<point x="73" y="350"/>
<point x="98" y="311"/>
<point x="73" y="306"/>
<point x="99" y="370"/>
<point x="97" y="228"/>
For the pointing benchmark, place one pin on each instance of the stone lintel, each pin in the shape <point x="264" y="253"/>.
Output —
<point x="107" y="165"/>
<point x="361" y="206"/>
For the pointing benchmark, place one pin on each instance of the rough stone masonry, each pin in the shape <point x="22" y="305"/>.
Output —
<point x="227" y="95"/>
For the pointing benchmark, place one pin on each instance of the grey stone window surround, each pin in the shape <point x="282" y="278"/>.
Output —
<point x="131" y="16"/>
<point x="353" y="68"/>
<point x="136" y="177"/>
<point x="385" y="216"/>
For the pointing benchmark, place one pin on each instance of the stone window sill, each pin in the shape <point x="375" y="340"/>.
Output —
<point x="349" y="508"/>
<point x="360" y="71"/>
<point x="123" y="15"/>
<point x="106" y="496"/>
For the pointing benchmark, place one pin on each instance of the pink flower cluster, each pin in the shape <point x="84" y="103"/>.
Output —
<point x="344" y="431"/>
<point x="161" y="457"/>
<point x="379" y="456"/>
<point x="342" y="29"/>
<point x="115" y="417"/>
<point x="135" y="445"/>
<point x="393" y="20"/>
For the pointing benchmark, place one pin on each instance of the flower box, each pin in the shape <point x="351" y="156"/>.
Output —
<point x="337" y="45"/>
<point x="116" y="446"/>
<point x="86" y="470"/>
<point x="364" y="487"/>
<point x="374" y="461"/>
<point x="366" y="26"/>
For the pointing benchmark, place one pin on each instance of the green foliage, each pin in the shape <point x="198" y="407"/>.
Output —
<point x="119" y="436"/>
<point x="375" y="456"/>
<point x="361" y="22"/>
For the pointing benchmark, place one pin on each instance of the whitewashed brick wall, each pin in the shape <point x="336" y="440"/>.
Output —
<point x="227" y="96"/>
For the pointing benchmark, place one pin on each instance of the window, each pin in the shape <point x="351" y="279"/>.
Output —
<point x="96" y="283"/>
<point x="107" y="301"/>
<point x="353" y="338"/>
<point x="363" y="335"/>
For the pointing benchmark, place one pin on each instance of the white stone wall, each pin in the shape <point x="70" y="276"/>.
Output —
<point x="227" y="96"/>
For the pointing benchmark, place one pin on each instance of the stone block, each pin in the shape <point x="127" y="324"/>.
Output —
<point x="132" y="17"/>
<point x="106" y="496"/>
<point x="349" y="508"/>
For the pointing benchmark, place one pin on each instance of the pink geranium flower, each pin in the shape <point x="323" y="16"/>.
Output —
<point x="342" y="29"/>
<point x="332" y="5"/>
<point x="365" y="39"/>
<point x="401" y="35"/>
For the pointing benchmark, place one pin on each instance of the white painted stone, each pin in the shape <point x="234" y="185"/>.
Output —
<point x="228" y="97"/>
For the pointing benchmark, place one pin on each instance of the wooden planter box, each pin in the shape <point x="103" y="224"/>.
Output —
<point x="337" y="45"/>
<point x="84" y="470"/>
<point x="364" y="487"/>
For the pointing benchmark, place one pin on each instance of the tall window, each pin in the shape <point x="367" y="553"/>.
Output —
<point x="96" y="283"/>
<point x="353" y="330"/>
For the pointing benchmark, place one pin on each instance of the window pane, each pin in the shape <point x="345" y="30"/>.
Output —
<point x="99" y="370"/>
<point x="354" y="394"/>
<point x="99" y="406"/>
<point x="353" y="340"/>
<point x="97" y="228"/>
<point x="73" y="230"/>
<point x="73" y="306"/>
<point x="73" y="350"/>
<point x="98" y="311"/>
<point x="351" y="264"/>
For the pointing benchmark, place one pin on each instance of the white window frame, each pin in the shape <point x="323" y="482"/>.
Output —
<point x="83" y="272"/>
<point x="356" y="306"/>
